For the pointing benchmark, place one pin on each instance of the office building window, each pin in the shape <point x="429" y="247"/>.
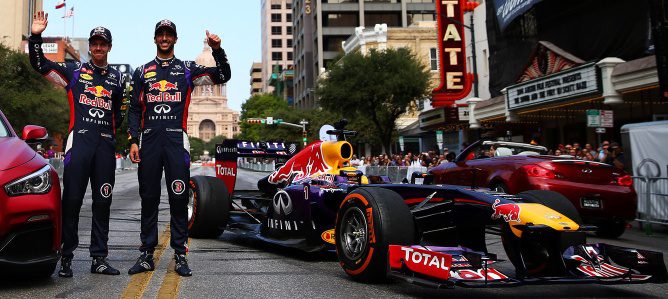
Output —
<point x="276" y="30"/>
<point x="333" y="43"/>
<point x="289" y="43"/>
<point x="417" y="17"/>
<point x="288" y="30"/>
<point x="341" y="20"/>
<point x="288" y="17"/>
<point x="276" y="17"/>
<point x="276" y="43"/>
<point x="289" y="55"/>
<point x="275" y="6"/>
<point x="276" y="56"/>
<point x="433" y="59"/>
<point x="391" y="19"/>
<point x="288" y="5"/>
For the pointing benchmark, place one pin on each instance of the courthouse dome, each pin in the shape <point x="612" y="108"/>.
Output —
<point x="205" y="57"/>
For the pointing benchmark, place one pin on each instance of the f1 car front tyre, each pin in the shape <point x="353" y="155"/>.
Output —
<point x="208" y="207"/>
<point x="368" y="221"/>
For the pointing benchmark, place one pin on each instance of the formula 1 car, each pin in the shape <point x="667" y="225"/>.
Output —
<point x="431" y="235"/>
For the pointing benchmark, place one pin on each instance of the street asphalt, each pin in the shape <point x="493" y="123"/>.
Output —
<point x="233" y="266"/>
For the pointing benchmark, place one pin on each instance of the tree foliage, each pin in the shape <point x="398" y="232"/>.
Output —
<point x="28" y="98"/>
<point x="374" y="90"/>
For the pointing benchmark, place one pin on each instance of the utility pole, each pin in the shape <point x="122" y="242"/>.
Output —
<point x="271" y="121"/>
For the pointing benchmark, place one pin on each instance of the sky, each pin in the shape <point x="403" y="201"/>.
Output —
<point x="132" y="23"/>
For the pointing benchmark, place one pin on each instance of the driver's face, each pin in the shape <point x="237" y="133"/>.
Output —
<point x="165" y="39"/>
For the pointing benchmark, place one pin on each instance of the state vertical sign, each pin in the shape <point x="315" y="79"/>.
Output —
<point x="455" y="81"/>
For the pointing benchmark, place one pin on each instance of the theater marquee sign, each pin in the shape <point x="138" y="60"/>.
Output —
<point x="455" y="81"/>
<point x="572" y="83"/>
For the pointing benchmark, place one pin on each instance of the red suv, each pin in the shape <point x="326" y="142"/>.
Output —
<point x="603" y="194"/>
<point x="29" y="204"/>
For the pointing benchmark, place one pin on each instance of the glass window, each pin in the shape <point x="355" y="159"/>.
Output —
<point x="276" y="43"/>
<point x="289" y="43"/>
<point x="339" y="1"/>
<point x="333" y="43"/>
<point x="288" y="30"/>
<point x="419" y="16"/>
<point x="433" y="59"/>
<point x="276" y="17"/>
<point x="276" y="56"/>
<point x="276" y="6"/>
<point x="288" y="17"/>
<point x="288" y="5"/>
<point x="290" y="56"/>
<point x="341" y="20"/>
<point x="276" y="30"/>
<point x="391" y="19"/>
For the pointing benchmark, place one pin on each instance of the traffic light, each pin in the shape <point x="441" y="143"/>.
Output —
<point x="255" y="121"/>
<point x="304" y="136"/>
<point x="470" y="5"/>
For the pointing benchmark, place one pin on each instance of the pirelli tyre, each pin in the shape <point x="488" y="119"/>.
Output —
<point x="538" y="255"/>
<point x="208" y="207"/>
<point x="368" y="221"/>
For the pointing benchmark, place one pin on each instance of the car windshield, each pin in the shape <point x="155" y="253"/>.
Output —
<point x="490" y="149"/>
<point x="4" y="132"/>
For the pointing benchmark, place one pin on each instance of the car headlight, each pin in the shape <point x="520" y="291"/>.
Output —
<point x="38" y="182"/>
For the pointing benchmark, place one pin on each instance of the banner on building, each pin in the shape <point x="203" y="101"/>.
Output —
<point x="508" y="10"/>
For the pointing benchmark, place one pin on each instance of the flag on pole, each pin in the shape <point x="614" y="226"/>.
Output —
<point x="69" y="13"/>
<point x="60" y="4"/>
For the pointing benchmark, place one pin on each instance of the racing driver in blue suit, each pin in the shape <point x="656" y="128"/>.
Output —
<point x="95" y="94"/>
<point x="157" y="130"/>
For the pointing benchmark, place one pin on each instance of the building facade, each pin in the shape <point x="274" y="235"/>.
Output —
<point x="320" y="27"/>
<point x="256" y="78"/>
<point x="15" y="21"/>
<point x="208" y="114"/>
<point x="276" y="38"/>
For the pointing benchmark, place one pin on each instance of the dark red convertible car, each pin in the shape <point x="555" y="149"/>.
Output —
<point x="603" y="194"/>
<point x="29" y="205"/>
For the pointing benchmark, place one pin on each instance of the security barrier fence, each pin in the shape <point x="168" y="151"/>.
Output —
<point x="652" y="199"/>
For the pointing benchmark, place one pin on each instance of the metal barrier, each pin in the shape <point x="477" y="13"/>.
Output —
<point x="652" y="199"/>
<point x="121" y="164"/>
<point x="256" y="166"/>
<point x="395" y="173"/>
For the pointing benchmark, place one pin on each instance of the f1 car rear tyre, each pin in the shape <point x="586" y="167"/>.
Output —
<point x="208" y="207"/>
<point x="611" y="229"/>
<point x="368" y="221"/>
<point x="536" y="255"/>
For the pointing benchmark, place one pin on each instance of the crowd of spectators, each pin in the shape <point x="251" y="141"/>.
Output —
<point x="426" y="159"/>
<point x="607" y="152"/>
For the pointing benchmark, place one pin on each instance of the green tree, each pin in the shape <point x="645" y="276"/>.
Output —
<point x="211" y="145"/>
<point x="375" y="89"/>
<point x="196" y="147"/>
<point x="28" y="98"/>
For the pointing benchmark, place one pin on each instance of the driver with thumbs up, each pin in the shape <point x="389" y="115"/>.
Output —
<point x="157" y="120"/>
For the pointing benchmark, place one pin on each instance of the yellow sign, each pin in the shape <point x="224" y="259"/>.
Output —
<point x="328" y="236"/>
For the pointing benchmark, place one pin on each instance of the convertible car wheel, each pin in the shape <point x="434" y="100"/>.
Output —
<point x="208" y="207"/>
<point x="531" y="254"/>
<point x="368" y="221"/>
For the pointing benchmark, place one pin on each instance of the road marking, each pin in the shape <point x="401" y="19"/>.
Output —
<point x="139" y="282"/>
<point x="171" y="282"/>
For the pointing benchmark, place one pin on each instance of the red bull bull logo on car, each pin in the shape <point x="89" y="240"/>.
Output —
<point x="306" y="163"/>
<point x="98" y="91"/>
<point x="509" y="211"/>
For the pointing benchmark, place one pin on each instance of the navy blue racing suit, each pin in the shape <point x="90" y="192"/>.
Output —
<point x="157" y="121"/>
<point x="95" y="97"/>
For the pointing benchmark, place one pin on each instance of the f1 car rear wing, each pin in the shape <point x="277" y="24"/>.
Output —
<point x="231" y="149"/>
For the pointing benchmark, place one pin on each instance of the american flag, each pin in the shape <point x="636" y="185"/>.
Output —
<point x="69" y="13"/>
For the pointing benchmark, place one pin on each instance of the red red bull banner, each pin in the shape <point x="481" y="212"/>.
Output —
<point x="455" y="80"/>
